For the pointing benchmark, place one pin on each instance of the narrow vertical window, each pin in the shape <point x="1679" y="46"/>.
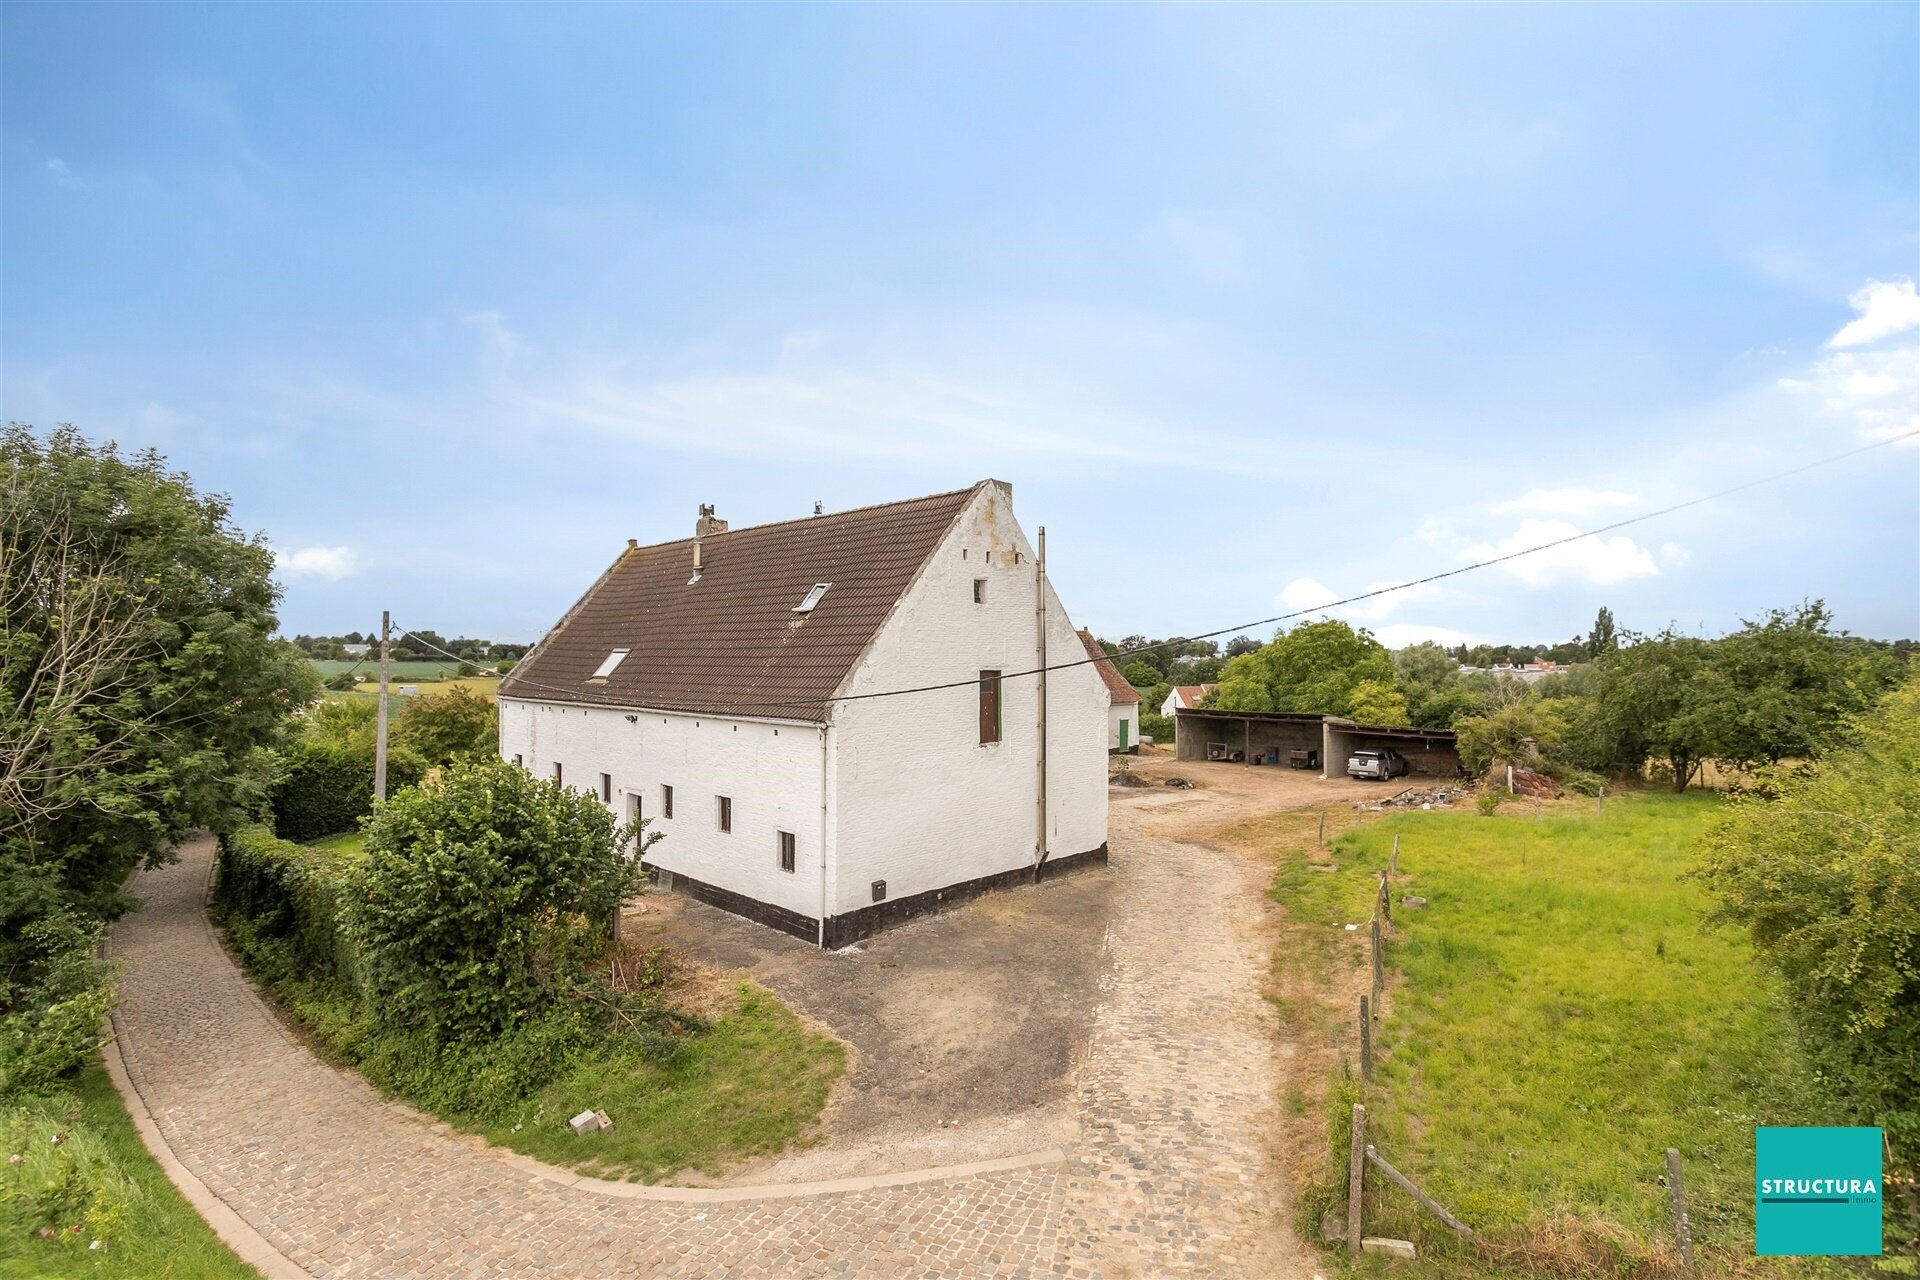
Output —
<point x="723" y="811"/>
<point x="557" y="776"/>
<point x="606" y="788"/>
<point x="666" y="802"/>
<point x="786" y="851"/>
<point x="989" y="707"/>
<point x="979" y="590"/>
<point x="516" y="760"/>
<point x="633" y="807"/>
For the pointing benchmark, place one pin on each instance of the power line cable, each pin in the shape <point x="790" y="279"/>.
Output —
<point x="577" y="696"/>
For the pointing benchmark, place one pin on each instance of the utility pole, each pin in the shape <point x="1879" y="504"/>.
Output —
<point x="380" y="728"/>
<point x="1040" y="618"/>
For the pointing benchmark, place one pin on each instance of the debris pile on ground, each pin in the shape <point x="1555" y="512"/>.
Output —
<point x="1416" y="798"/>
<point x="1127" y="778"/>
<point x="1182" y="783"/>
<point x="1527" y="782"/>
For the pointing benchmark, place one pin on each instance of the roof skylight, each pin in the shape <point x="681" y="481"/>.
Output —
<point x="813" y="598"/>
<point x="606" y="668"/>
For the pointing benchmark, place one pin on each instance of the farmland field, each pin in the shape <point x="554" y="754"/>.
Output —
<point x="428" y="677"/>
<point x="1556" y="1017"/>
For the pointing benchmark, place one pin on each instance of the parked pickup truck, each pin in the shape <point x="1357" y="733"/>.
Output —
<point x="1384" y="764"/>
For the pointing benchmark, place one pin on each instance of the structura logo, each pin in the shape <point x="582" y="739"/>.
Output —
<point x="1817" y="1191"/>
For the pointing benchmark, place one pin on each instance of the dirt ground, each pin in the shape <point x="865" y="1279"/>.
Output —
<point x="967" y="1028"/>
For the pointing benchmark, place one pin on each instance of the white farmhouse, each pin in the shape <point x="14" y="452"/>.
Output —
<point x="1185" y="697"/>
<point x="1123" y="700"/>
<point x="836" y="722"/>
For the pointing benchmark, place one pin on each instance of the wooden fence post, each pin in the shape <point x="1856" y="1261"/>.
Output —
<point x="1356" y="1173"/>
<point x="1379" y="964"/>
<point x="1321" y="838"/>
<point x="1366" y="1040"/>
<point x="1677" y="1205"/>
<point x="1393" y="862"/>
<point x="1386" y="901"/>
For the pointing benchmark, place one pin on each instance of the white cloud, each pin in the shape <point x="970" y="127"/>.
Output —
<point x="1566" y="502"/>
<point x="1876" y="391"/>
<point x="1600" y="561"/>
<point x="1886" y="307"/>
<point x="331" y="563"/>
<point x="1304" y="595"/>
<point x="1399" y="635"/>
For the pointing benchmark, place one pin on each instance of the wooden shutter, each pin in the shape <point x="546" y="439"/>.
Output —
<point x="989" y="706"/>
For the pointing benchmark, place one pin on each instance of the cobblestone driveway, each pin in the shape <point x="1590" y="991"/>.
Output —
<point x="1167" y="1177"/>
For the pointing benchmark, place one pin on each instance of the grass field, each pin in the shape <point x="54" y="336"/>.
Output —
<point x="1556" y="1018"/>
<point x="152" y="1234"/>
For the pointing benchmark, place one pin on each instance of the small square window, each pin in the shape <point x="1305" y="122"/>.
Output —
<point x="606" y="788"/>
<point x="979" y="590"/>
<point x="786" y="851"/>
<point x="666" y="802"/>
<point x="723" y="810"/>
<point x="516" y="761"/>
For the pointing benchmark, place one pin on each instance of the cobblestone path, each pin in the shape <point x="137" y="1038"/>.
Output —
<point x="1167" y="1178"/>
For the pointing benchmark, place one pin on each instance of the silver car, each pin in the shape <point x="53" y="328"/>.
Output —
<point x="1384" y="764"/>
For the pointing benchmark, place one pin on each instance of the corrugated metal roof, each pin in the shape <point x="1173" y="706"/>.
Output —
<point x="731" y="641"/>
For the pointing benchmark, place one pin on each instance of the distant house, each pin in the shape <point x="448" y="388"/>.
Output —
<point x="1185" y="697"/>
<point x="1123" y="701"/>
<point x="356" y="650"/>
<point x="1526" y="672"/>
<point x="834" y="721"/>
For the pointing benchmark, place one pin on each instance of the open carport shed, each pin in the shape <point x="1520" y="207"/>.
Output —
<point x="1246" y="737"/>
<point x="1432" y="753"/>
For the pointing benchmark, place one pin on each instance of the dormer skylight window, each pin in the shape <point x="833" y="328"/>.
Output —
<point x="606" y="668"/>
<point x="813" y="597"/>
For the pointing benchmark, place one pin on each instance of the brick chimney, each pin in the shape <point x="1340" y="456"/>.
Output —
<point x="706" y="524"/>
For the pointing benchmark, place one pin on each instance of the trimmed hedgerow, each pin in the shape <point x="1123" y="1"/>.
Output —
<point x="281" y="903"/>
<point x="326" y="787"/>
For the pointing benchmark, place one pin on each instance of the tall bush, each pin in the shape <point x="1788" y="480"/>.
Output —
<point x="1826" y="876"/>
<point x="286" y="893"/>
<point x="486" y="894"/>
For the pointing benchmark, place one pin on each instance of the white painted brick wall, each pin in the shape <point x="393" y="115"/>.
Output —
<point x="771" y="771"/>
<point x="917" y="801"/>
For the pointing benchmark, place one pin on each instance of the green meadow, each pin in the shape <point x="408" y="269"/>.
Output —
<point x="1556" y="1018"/>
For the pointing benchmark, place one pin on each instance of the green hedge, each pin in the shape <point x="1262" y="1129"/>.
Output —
<point x="274" y="894"/>
<point x="326" y="787"/>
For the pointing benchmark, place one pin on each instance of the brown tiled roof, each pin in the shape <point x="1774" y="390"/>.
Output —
<point x="1116" y="683"/>
<point x="1192" y="693"/>
<point x="731" y="641"/>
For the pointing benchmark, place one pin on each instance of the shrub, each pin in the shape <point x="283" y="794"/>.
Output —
<point x="1489" y="800"/>
<point x="485" y="894"/>
<point x="272" y="891"/>
<point x="325" y="786"/>
<point x="51" y="1002"/>
<point x="1824" y="876"/>
<point x="1157" y="726"/>
<point x="1516" y="733"/>
<point x="455" y="724"/>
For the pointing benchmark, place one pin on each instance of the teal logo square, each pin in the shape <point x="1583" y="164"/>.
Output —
<point x="1816" y="1191"/>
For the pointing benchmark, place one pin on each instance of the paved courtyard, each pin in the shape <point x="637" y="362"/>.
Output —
<point x="1164" y="1173"/>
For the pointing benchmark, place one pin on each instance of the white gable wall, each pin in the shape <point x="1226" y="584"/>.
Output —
<point x="772" y="772"/>
<point x="917" y="801"/>
<point x="1118" y="711"/>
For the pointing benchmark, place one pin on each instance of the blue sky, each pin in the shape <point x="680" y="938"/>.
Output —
<point x="1254" y="307"/>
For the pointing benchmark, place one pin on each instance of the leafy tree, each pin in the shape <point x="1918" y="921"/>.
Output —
<point x="1141" y="673"/>
<point x="1650" y="701"/>
<point x="1826" y="877"/>
<point x="1602" y="638"/>
<point x="1377" y="702"/>
<point x="1239" y="645"/>
<point x="1429" y="678"/>
<point x="1314" y="669"/>
<point x="1783" y="687"/>
<point x="1519" y="733"/>
<point x="450" y="725"/>
<point x="484" y="895"/>
<point x="138" y="677"/>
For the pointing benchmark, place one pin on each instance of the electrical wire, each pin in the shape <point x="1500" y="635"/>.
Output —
<point x="751" y="707"/>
